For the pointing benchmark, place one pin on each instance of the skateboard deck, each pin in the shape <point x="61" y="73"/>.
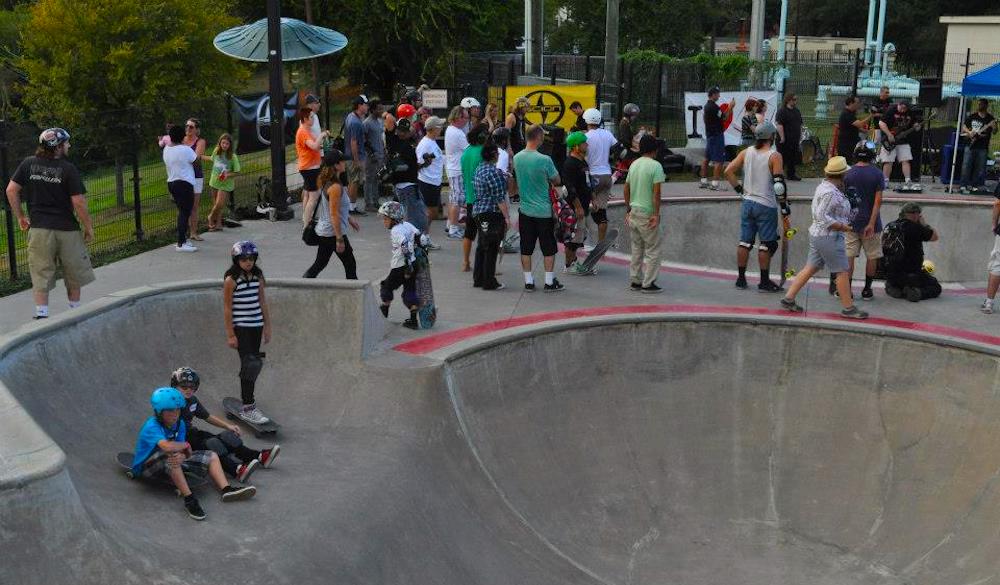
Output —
<point x="426" y="311"/>
<point x="232" y="406"/>
<point x="124" y="460"/>
<point x="787" y="233"/>
<point x="601" y="249"/>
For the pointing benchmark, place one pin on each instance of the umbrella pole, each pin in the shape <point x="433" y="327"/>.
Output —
<point x="279" y="189"/>
<point x="954" y="150"/>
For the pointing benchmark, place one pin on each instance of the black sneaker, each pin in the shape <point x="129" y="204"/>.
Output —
<point x="411" y="323"/>
<point x="529" y="287"/>
<point x="556" y="286"/>
<point x="741" y="283"/>
<point x="636" y="286"/>
<point x="652" y="289"/>
<point x="791" y="305"/>
<point x="235" y="494"/>
<point x="193" y="508"/>
<point x="867" y="294"/>
<point x="769" y="286"/>
<point x="913" y="294"/>
<point x="38" y="317"/>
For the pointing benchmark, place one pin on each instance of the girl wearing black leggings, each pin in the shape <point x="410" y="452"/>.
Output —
<point x="333" y="219"/>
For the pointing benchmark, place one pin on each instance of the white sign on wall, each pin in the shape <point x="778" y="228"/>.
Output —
<point x="436" y="99"/>
<point x="732" y="134"/>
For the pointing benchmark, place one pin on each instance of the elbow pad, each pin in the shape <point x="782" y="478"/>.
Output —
<point x="780" y="189"/>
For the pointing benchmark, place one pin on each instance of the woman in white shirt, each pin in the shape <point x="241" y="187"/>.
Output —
<point x="179" y="159"/>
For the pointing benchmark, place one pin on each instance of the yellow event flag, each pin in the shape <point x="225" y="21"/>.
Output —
<point x="550" y="103"/>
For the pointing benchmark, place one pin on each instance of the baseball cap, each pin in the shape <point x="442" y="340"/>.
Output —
<point x="333" y="157"/>
<point x="361" y="99"/>
<point x="433" y="122"/>
<point x="311" y="99"/>
<point x="714" y="90"/>
<point x="648" y="143"/>
<point x="575" y="139"/>
<point x="403" y="125"/>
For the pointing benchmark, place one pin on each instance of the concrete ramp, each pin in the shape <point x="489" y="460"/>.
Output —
<point x="609" y="451"/>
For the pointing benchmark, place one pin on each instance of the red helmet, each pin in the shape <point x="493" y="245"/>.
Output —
<point x="405" y="111"/>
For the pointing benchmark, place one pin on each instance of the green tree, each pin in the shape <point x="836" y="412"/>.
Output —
<point x="150" y="61"/>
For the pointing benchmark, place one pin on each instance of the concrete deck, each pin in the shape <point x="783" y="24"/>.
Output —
<point x="593" y="436"/>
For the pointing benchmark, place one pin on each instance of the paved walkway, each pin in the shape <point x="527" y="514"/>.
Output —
<point x="461" y="305"/>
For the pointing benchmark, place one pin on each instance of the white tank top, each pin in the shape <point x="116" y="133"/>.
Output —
<point x="758" y="184"/>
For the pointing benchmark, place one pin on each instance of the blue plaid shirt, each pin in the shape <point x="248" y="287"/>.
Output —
<point x="491" y="188"/>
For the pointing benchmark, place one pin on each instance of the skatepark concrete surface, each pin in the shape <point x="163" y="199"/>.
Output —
<point x="700" y="436"/>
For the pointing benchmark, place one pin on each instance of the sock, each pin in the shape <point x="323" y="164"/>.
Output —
<point x="704" y="180"/>
<point x="413" y="315"/>
<point x="529" y="278"/>
<point x="765" y="275"/>
<point x="743" y="271"/>
<point x="549" y="277"/>
<point x="74" y="304"/>
<point x="833" y="278"/>
<point x="41" y="310"/>
<point x="868" y="281"/>
<point x="907" y="179"/>
<point x="715" y="183"/>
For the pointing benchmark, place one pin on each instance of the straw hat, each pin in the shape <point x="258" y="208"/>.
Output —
<point x="836" y="166"/>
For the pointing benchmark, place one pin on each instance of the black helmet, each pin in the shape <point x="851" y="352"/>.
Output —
<point x="185" y="376"/>
<point x="865" y="150"/>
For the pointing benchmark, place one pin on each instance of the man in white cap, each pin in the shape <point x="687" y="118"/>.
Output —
<point x="474" y="110"/>
<point x="430" y="168"/>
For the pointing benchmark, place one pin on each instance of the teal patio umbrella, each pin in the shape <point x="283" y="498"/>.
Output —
<point x="299" y="41"/>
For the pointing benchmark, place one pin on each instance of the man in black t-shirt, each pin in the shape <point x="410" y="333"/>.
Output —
<point x="905" y="275"/>
<point x="55" y="196"/>
<point x="977" y="130"/>
<point x="849" y="128"/>
<point x="881" y="105"/>
<point x="788" y="120"/>
<point x="576" y="177"/>
<point x="715" y="140"/>
<point x="899" y="130"/>
<point x="577" y="109"/>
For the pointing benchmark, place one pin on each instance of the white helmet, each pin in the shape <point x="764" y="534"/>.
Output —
<point x="470" y="102"/>
<point x="592" y="116"/>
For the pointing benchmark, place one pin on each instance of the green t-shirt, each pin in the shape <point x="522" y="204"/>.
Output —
<point x="471" y="158"/>
<point x="219" y="164"/>
<point x="533" y="171"/>
<point x="642" y="175"/>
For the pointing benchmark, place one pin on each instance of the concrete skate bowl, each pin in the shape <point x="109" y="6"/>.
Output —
<point x="661" y="449"/>
<point x="704" y="231"/>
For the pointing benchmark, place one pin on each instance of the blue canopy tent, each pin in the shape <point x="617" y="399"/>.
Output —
<point x="984" y="83"/>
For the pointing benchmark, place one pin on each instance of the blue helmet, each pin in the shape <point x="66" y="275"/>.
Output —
<point x="245" y="248"/>
<point x="166" y="399"/>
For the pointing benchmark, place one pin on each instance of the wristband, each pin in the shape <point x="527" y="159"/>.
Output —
<point x="738" y="188"/>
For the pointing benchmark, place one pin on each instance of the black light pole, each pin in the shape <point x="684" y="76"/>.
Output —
<point x="279" y="190"/>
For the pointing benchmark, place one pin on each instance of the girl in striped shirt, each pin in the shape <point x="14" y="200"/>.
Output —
<point x="248" y="321"/>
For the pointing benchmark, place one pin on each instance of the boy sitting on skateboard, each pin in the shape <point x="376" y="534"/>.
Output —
<point x="162" y="450"/>
<point x="402" y="270"/>
<point x="236" y="458"/>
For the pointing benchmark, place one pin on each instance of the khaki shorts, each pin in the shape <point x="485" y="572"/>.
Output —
<point x="994" y="265"/>
<point x="602" y="192"/>
<point x="872" y="245"/>
<point x="355" y="173"/>
<point x="50" y="250"/>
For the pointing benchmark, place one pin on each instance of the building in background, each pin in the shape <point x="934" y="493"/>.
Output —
<point x="979" y="34"/>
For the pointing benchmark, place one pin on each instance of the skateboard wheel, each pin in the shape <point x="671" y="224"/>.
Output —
<point x="790" y="233"/>
<point x="789" y="273"/>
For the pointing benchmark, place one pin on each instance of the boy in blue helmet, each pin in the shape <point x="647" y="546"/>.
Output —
<point x="163" y="451"/>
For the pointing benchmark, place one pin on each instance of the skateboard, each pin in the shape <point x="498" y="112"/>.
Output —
<point x="600" y="249"/>
<point x="124" y="460"/>
<point x="511" y="244"/>
<point x="233" y="406"/>
<point x="426" y="311"/>
<point x="788" y="232"/>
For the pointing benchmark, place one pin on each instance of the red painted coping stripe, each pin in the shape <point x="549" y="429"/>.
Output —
<point x="432" y="343"/>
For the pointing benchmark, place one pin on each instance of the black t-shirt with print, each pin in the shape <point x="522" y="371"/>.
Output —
<point x="576" y="177"/>
<point x="975" y="122"/>
<point x="193" y="408"/>
<point x="713" y="119"/>
<point x="49" y="184"/>
<point x="898" y="122"/>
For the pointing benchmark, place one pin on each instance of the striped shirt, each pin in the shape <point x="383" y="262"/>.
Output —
<point x="246" y="303"/>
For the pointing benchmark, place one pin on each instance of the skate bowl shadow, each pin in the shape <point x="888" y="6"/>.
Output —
<point x="658" y="448"/>
<point x="704" y="232"/>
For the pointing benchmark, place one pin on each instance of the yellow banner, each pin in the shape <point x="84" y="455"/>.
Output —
<point x="550" y="103"/>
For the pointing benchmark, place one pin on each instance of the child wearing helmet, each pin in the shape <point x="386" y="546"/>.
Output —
<point x="247" y="321"/>
<point x="403" y="236"/>
<point x="237" y="459"/>
<point x="162" y="450"/>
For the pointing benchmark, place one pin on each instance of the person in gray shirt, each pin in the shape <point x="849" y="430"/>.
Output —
<point x="374" y="128"/>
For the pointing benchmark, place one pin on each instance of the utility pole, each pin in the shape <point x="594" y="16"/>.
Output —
<point x="611" y="44"/>
<point x="313" y="61"/>
<point x="279" y="190"/>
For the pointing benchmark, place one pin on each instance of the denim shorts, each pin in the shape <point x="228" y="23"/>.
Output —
<point x="758" y="220"/>
<point x="715" y="148"/>
<point x="828" y="252"/>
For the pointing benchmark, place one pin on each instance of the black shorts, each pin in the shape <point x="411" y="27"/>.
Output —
<point x="540" y="229"/>
<point x="431" y="194"/>
<point x="471" y="227"/>
<point x="309" y="178"/>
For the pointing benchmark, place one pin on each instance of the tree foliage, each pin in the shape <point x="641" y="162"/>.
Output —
<point x="87" y="56"/>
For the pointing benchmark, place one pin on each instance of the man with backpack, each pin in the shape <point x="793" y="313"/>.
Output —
<point x="902" y="245"/>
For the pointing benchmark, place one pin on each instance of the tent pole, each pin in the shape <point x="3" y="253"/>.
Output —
<point x="954" y="152"/>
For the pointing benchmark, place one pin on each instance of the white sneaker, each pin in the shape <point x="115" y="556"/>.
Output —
<point x="252" y="414"/>
<point x="431" y="245"/>
<point x="987" y="307"/>
<point x="187" y="247"/>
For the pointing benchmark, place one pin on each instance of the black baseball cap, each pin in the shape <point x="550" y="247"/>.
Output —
<point x="403" y="125"/>
<point x="361" y="99"/>
<point x="311" y="99"/>
<point x="333" y="157"/>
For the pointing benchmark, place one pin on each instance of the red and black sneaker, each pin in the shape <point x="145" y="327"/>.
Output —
<point x="245" y="470"/>
<point x="267" y="456"/>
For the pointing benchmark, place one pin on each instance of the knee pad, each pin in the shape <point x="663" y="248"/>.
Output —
<point x="770" y="247"/>
<point x="600" y="216"/>
<point x="250" y="366"/>
<point x="746" y="245"/>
